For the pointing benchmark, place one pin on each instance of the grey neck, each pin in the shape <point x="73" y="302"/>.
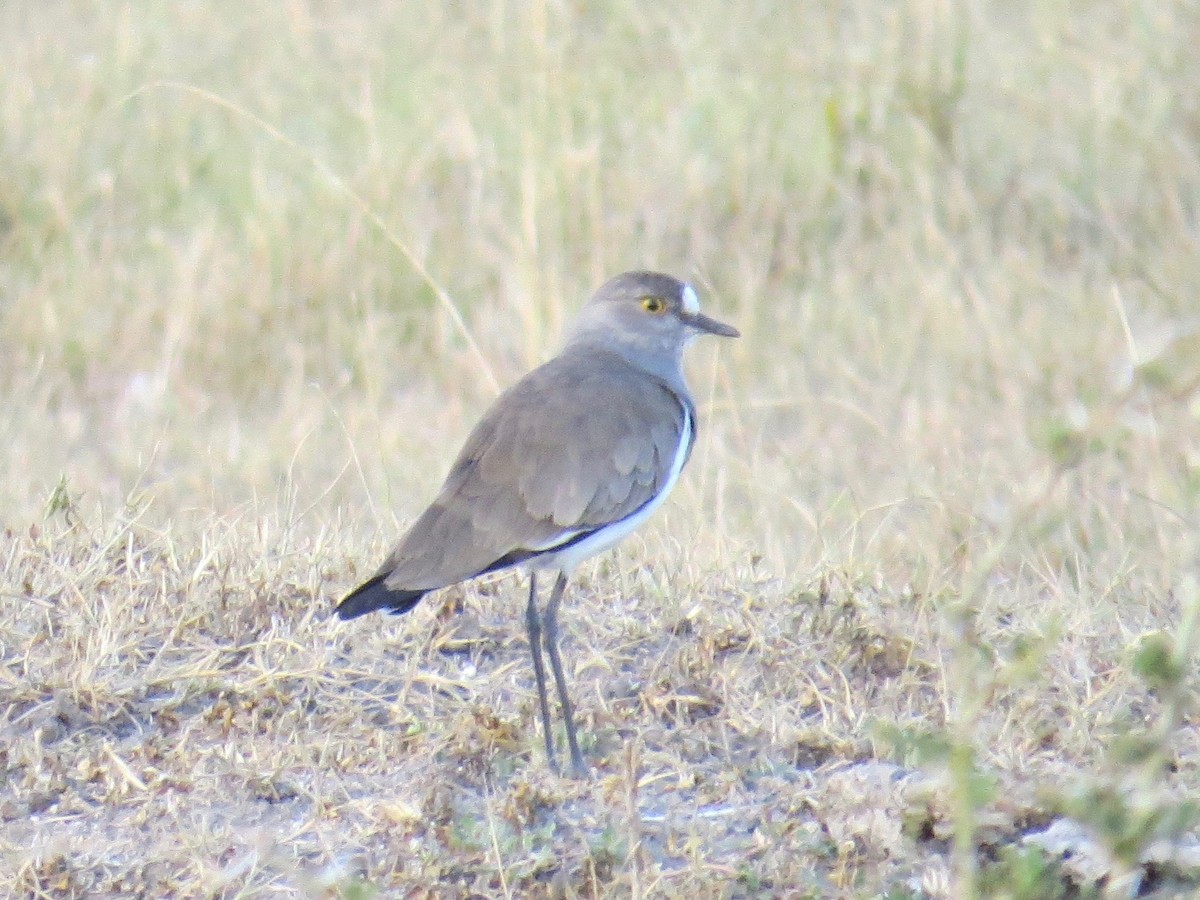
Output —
<point x="663" y="361"/>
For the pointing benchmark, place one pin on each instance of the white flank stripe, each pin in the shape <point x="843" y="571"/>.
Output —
<point x="601" y="539"/>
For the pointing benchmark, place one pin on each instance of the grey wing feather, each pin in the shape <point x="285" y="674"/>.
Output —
<point x="580" y="442"/>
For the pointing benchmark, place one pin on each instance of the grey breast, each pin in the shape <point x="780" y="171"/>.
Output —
<point x="580" y="442"/>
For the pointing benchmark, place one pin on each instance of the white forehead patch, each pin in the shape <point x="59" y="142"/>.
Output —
<point x="691" y="303"/>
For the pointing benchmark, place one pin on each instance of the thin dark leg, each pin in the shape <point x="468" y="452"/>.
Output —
<point x="551" y="622"/>
<point x="533" y="625"/>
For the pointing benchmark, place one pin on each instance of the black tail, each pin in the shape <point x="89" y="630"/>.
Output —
<point x="373" y="595"/>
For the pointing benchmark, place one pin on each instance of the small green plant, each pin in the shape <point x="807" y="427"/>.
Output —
<point x="61" y="502"/>
<point x="1127" y="805"/>
<point x="1026" y="873"/>
<point x="357" y="889"/>
<point x="609" y="848"/>
<point x="749" y="878"/>
<point x="978" y="670"/>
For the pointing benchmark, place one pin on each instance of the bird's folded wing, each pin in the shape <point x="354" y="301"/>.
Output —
<point x="583" y="441"/>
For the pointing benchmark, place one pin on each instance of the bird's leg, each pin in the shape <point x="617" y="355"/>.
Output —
<point x="533" y="625"/>
<point x="579" y="769"/>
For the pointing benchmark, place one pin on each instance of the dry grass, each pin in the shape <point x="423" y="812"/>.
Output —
<point x="927" y="586"/>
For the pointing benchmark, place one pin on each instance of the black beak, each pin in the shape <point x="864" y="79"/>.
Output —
<point x="701" y="322"/>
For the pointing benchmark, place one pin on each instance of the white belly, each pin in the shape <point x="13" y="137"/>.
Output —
<point x="568" y="558"/>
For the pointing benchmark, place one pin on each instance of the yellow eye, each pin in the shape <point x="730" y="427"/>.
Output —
<point x="655" y="305"/>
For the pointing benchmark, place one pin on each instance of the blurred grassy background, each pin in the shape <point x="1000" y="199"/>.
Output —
<point x="960" y="240"/>
<point x="931" y="215"/>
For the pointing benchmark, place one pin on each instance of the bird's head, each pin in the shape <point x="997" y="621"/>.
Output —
<point x="647" y="316"/>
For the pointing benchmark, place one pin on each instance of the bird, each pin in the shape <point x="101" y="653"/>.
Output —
<point x="565" y="463"/>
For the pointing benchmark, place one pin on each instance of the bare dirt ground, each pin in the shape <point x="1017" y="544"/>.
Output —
<point x="919" y="619"/>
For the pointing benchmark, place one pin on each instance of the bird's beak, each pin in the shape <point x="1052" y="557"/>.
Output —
<point x="701" y="322"/>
